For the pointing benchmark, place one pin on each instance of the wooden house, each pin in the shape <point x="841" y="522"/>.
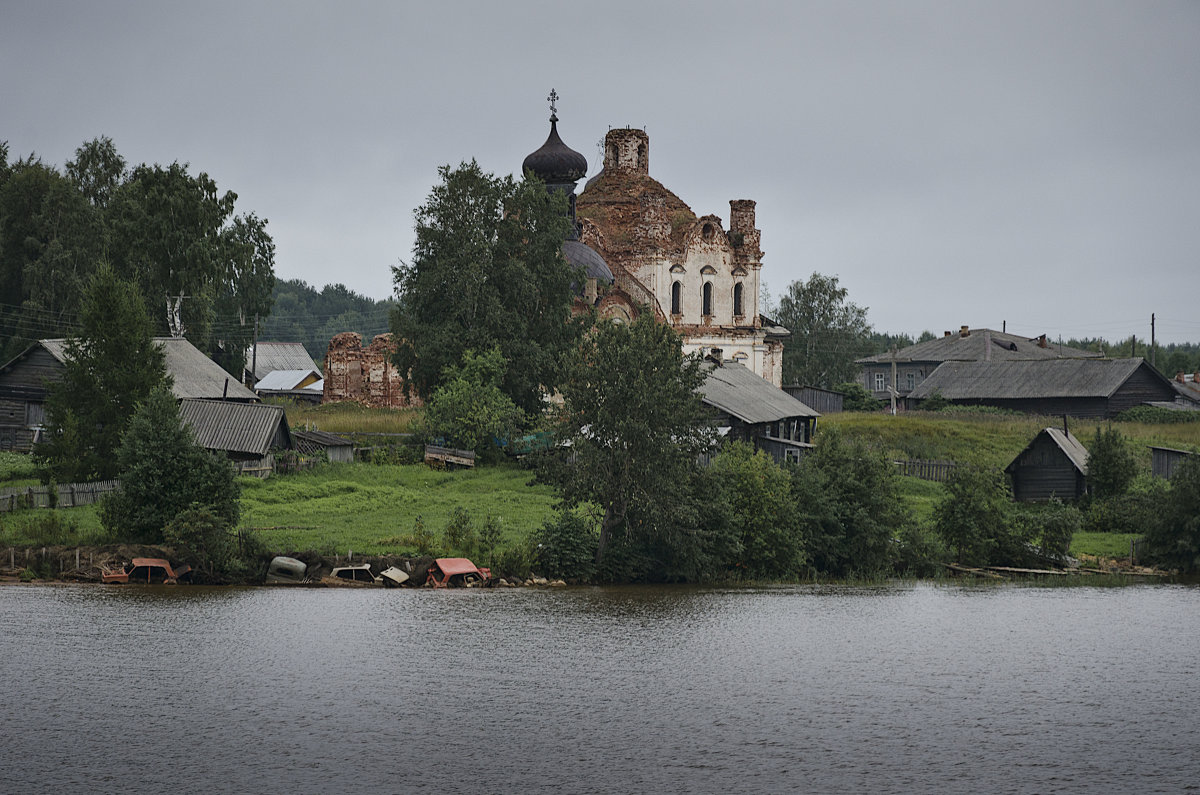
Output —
<point x="1093" y="388"/>
<point x="908" y="367"/>
<point x="23" y="385"/>
<point x="248" y="433"/>
<point x="1054" y="465"/>
<point x="755" y="410"/>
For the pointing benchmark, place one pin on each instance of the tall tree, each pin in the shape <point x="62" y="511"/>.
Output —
<point x="97" y="170"/>
<point x="247" y="291"/>
<point x="828" y="332"/>
<point x="487" y="271"/>
<point x="167" y="229"/>
<point x="165" y="473"/>
<point x="635" y="426"/>
<point x="111" y="365"/>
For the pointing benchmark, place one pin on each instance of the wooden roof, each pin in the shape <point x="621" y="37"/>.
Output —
<point x="1075" y="452"/>
<point x="248" y="428"/>
<point x="194" y="375"/>
<point x="1014" y="380"/>
<point x="981" y="345"/>
<point x="732" y="388"/>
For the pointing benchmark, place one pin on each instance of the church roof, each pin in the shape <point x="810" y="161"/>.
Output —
<point x="585" y="258"/>
<point x="555" y="163"/>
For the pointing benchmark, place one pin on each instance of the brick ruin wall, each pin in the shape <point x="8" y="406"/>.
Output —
<point x="364" y="375"/>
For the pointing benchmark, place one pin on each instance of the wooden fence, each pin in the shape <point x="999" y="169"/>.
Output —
<point x="64" y="495"/>
<point x="937" y="471"/>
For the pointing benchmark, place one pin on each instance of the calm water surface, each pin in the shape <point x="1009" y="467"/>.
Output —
<point x="900" y="688"/>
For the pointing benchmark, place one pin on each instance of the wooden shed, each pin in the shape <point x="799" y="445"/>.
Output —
<point x="339" y="449"/>
<point x="1165" y="460"/>
<point x="1054" y="465"/>
<point x="824" y="401"/>
<point x="247" y="433"/>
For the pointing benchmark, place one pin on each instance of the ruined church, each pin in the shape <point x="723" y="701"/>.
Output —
<point x="642" y="248"/>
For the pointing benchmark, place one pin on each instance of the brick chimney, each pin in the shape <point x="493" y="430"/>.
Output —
<point x="965" y="331"/>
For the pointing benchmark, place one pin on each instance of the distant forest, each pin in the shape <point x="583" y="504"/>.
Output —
<point x="301" y="313"/>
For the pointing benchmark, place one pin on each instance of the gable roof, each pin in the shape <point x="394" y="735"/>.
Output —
<point x="1049" y="378"/>
<point x="248" y="428"/>
<point x="287" y="379"/>
<point x="194" y="375"/>
<point x="279" y="356"/>
<point x="1071" y="447"/>
<point x="981" y="344"/>
<point x="732" y="388"/>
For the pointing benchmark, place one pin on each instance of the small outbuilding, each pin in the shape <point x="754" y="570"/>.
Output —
<point x="248" y="433"/>
<point x="339" y="450"/>
<point x="1165" y="460"/>
<point x="1054" y="465"/>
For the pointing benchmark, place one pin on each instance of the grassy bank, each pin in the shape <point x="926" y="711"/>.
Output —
<point x="373" y="509"/>
<point x="992" y="439"/>
<point x="350" y="418"/>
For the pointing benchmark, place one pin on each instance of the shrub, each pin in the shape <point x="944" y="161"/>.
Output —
<point x="762" y="512"/>
<point x="422" y="539"/>
<point x="1111" y="466"/>
<point x="1157" y="415"/>
<point x="1051" y="526"/>
<point x="489" y="539"/>
<point x="206" y="542"/>
<point x="1175" y="540"/>
<point x="919" y="551"/>
<point x="856" y="397"/>
<point x="460" y="536"/>
<point x="566" y="547"/>
<point x="974" y="518"/>
<point x="470" y="409"/>
<point x="935" y="402"/>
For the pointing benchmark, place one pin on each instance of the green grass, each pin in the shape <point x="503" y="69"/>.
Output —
<point x="38" y="527"/>
<point x="17" y="469"/>
<point x="372" y="509"/>
<point x="350" y="418"/>
<point x="1104" y="545"/>
<point x="920" y="496"/>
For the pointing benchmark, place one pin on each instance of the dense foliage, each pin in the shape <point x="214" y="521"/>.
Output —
<point x="1174" y="540"/>
<point x="828" y="333"/>
<point x="762" y="514"/>
<point x="487" y="271"/>
<point x="163" y="473"/>
<point x="111" y="366"/>
<point x="202" y="270"/>
<point x="635" y="426"/>
<point x="1111" y="465"/>
<point x="468" y="410"/>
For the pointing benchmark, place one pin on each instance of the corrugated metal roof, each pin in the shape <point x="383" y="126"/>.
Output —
<point x="234" y="427"/>
<point x="1071" y="447"/>
<point x="286" y="379"/>
<point x="279" y="356"/>
<point x="1052" y="378"/>
<point x="194" y="374"/>
<point x="733" y="389"/>
<point x="981" y="345"/>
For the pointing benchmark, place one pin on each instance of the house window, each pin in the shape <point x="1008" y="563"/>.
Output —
<point x="707" y="299"/>
<point x="880" y="382"/>
<point x="676" y="298"/>
<point x="911" y="379"/>
<point x="737" y="300"/>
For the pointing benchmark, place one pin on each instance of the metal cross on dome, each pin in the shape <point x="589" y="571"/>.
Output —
<point x="552" y="99"/>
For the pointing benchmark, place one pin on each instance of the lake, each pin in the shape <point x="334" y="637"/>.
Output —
<point x="911" y="687"/>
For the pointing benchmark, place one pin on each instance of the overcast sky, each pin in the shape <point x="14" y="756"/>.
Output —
<point x="950" y="162"/>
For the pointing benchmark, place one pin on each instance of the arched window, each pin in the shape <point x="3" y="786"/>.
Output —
<point x="641" y="155"/>
<point x="737" y="300"/>
<point x="676" y="298"/>
<point x="707" y="299"/>
<point x="708" y="233"/>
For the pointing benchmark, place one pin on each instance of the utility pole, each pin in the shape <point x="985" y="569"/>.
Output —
<point x="1152" y="339"/>
<point x="254" y="356"/>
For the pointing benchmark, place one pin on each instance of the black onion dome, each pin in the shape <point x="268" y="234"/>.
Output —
<point x="556" y="163"/>
<point x="585" y="258"/>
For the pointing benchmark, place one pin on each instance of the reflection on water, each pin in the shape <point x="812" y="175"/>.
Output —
<point x="885" y="689"/>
